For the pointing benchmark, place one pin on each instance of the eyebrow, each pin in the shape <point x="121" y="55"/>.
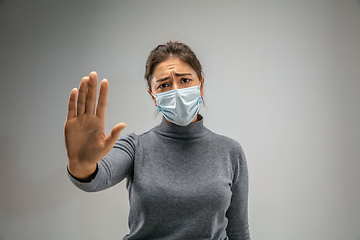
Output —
<point x="176" y="74"/>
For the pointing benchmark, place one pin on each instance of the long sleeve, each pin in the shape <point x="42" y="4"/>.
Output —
<point x="113" y="168"/>
<point x="237" y="214"/>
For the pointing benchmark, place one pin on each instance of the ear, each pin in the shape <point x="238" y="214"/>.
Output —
<point x="202" y="86"/>
<point x="154" y="99"/>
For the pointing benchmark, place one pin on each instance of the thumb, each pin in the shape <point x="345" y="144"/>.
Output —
<point x="114" y="135"/>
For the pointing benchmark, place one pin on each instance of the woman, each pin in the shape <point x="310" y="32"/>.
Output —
<point x="184" y="181"/>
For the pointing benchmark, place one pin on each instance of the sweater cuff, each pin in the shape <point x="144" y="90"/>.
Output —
<point x="89" y="179"/>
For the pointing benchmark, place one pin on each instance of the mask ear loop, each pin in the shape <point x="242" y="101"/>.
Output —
<point x="202" y="97"/>
<point x="153" y="95"/>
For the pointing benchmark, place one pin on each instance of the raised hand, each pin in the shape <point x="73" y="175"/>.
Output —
<point x="85" y="137"/>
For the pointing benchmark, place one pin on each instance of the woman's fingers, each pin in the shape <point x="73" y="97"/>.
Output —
<point x="114" y="135"/>
<point x="87" y="97"/>
<point x="102" y="101"/>
<point x="91" y="94"/>
<point x="83" y="88"/>
<point x="72" y="104"/>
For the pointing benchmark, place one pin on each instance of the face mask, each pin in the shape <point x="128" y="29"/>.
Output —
<point x="179" y="106"/>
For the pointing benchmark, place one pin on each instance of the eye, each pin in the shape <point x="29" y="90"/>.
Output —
<point x="185" y="80"/>
<point x="163" y="85"/>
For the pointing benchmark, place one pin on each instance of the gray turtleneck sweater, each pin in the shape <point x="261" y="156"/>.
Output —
<point x="183" y="183"/>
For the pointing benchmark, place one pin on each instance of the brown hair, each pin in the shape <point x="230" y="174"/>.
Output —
<point x="171" y="49"/>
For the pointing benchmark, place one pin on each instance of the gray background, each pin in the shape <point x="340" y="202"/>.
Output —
<point x="281" y="77"/>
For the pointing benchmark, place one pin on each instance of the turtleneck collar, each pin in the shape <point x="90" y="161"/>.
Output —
<point x="193" y="130"/>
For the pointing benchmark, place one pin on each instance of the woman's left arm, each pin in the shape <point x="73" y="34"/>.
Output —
<point x="237" y="213"/>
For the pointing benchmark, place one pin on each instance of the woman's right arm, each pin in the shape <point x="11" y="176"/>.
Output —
<point x="85" y="137"/>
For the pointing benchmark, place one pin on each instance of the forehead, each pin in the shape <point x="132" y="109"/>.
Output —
<point x="175" y="65"/>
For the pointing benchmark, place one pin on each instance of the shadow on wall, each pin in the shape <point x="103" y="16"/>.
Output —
<point x="21" y="196"/>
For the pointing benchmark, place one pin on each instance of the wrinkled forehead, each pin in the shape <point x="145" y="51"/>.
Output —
<point x="172" y="67"/>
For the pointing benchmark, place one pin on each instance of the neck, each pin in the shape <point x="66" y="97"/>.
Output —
<point x="172" y="130"/>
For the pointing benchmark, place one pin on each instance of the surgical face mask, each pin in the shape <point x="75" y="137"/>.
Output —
<point x="179" y="106"/>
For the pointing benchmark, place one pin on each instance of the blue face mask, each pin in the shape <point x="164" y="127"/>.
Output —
<point x="179" y="106"/>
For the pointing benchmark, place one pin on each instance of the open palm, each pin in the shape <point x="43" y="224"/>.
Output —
<point x="85" y="137"/>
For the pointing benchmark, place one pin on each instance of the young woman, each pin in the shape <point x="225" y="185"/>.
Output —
<point x="184" y="181"/>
